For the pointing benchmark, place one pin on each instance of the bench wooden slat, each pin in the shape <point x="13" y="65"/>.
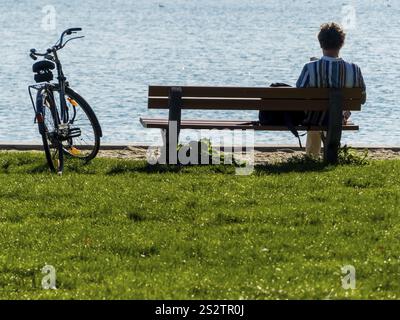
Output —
<point x="229" y="124"/>
<point x="264" y="93"/>
<point x="252" y="104"/>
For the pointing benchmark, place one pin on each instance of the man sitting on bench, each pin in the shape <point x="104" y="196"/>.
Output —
<point x="330" y="71"/>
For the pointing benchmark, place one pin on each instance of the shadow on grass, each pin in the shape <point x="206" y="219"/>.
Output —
<point x="303" y="163"/>
<point x="295" y="164"/>
<point x="34" y="164"/>
<point x="346" y="157"/>
<point x="300" y="164"/>
<point x="143" y="167"/>
<point x="39" y="169"/>
<point x="22" y="163"/>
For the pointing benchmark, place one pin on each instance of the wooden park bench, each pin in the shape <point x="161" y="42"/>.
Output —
<point x="235" y="99"/>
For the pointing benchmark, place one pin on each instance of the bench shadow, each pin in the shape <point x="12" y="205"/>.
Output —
<point x="292" y="165"/>
<point x="142" y="167"/>
<point x="36" y="165"/>
<point x="163" y="169"/>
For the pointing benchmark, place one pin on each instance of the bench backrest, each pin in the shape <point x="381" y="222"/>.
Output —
<point x="240" y="98"/>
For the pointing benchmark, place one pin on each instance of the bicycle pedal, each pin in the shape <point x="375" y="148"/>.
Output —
<point x="74" y="151"/>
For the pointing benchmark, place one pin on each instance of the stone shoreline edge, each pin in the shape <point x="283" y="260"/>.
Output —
<point x="112" y="147"/>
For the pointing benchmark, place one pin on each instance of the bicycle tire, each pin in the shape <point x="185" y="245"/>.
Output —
<point x="94" y="122"/>
<point x="55" y="159"/>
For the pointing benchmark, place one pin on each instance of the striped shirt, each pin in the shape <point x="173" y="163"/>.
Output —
<point x="331" y="73"/>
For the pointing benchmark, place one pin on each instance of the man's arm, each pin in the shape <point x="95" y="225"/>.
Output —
<point x="364" y="97"/>
<point x="304" y="79"/>
<point x="364" y="88"/>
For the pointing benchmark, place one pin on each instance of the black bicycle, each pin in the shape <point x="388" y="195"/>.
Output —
<point x="67" y="123"/>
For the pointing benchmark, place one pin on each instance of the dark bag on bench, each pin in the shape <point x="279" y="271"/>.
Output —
<point x="290" y="119"/>
<point x="316" y="118"/>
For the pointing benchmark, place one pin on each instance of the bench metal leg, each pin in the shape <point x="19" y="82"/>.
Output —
<point x="174" y="125"/>
<point x="335" y="127"/>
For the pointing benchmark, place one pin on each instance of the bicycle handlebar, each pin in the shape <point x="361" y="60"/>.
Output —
<point x="68" y="32"/>
<point x="74" y="30"/>
<point x="59" y="45"/>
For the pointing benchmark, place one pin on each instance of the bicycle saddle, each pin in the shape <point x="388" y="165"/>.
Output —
<point x="43" y="66"/>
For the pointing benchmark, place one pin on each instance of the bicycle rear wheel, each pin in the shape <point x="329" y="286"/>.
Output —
<point x="48" y="121"/>
<point x="83" y="141"/>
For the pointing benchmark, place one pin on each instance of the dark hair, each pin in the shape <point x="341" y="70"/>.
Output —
<point x="331" y="36"/>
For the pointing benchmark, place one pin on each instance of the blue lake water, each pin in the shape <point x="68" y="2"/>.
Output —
<point x="132" y="44"/>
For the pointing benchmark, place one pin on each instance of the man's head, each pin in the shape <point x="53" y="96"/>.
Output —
<point x="331" y="37"/>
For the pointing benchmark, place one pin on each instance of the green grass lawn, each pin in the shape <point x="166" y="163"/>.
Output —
<point x="123" y="230"/>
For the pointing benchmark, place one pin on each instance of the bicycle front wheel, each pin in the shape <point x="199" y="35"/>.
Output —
<point x="83" y="140"/>
<point x="48" y="121"/>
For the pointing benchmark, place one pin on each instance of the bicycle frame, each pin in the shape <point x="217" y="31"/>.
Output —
<point x="62" y="82"/>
